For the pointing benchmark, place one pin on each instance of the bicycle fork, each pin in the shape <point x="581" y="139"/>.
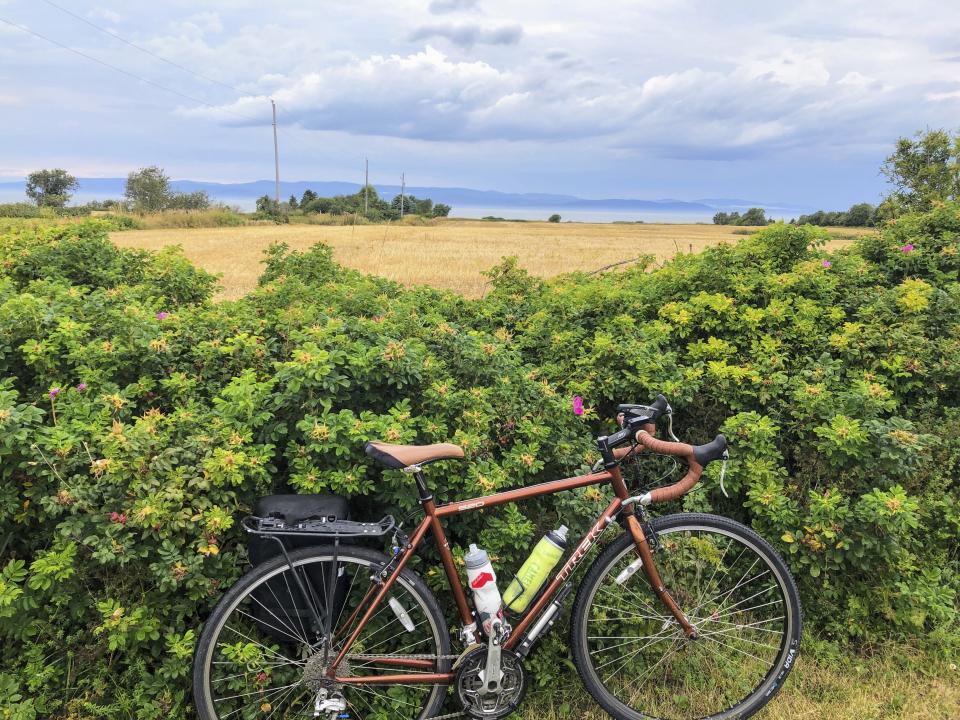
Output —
<point x="649" y="568"/>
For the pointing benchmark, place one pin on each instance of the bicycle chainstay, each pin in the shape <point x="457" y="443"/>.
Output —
<point x="448" y="716"/>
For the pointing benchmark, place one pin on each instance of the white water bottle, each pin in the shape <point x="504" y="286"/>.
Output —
<point x="483" y="581"/>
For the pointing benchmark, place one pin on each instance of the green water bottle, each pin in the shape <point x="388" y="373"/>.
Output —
<point x="532" y="574"/>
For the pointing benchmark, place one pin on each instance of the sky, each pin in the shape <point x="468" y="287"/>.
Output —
<point x="793" y="102"/>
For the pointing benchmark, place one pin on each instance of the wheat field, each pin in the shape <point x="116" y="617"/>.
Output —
<point x="448" y="254"/>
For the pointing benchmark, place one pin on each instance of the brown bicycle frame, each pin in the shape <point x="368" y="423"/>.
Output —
<point x="431" y="521"/>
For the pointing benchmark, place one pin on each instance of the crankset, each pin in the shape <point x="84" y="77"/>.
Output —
<point x="474" y="690"/>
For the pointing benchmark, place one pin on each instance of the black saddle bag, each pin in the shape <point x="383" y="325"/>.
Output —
<point x="279" y="607"/>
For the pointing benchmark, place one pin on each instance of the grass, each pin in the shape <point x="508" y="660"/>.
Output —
<point x="189" y="219"/>
<point x="825" y="685"/>
<point x="447" y="254"/>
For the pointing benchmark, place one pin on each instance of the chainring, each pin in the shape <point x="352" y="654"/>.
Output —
<point x="470" y="685"/>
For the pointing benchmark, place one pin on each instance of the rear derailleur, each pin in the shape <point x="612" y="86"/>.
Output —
<point x="329" y="705"/>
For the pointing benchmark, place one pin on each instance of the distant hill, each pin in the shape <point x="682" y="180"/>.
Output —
<point x="244" y="195"/>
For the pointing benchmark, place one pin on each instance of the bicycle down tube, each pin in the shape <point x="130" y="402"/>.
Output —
<point x="432" y="521"/>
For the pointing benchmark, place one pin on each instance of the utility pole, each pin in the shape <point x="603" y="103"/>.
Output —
<point x="403" y="185"/>
<point x="366" y="185"/>
<point x="276" y="154"/>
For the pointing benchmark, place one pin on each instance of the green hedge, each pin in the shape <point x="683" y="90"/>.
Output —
<point x="140" y="421"/>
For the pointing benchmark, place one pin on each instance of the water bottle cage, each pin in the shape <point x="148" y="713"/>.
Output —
<point x="523" y="589"/>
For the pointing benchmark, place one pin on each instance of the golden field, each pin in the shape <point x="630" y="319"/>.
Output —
<point x="447" y="254"/>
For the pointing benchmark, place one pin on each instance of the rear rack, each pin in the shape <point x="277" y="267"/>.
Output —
<point x="322" y="527"/>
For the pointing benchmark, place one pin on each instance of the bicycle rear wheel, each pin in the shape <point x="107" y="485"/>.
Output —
<point x="264" y="651"/>
<point x="737" y="592"/>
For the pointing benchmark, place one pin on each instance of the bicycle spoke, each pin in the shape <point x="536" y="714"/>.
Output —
<point x="274" y="654"/>
<point x="261" y="665"/>
<point x="643" y="658"/>
<point x="271" y="626"/>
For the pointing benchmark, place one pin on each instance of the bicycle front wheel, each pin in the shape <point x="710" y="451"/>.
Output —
<point x="266" y="648"/>
<point x="737" y="592"/>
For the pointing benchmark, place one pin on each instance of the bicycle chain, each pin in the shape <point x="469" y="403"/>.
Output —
<point x="362" y="656"/>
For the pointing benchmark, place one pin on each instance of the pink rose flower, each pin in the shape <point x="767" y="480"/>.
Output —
<point x="577" y="405"/>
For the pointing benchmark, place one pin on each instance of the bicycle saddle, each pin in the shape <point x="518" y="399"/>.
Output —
<point x="401" y="456"/>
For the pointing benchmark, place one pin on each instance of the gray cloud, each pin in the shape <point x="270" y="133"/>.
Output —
<point x="645" y="91"/>
<point x="439" y="7"/>
<point x="470" y="34"/>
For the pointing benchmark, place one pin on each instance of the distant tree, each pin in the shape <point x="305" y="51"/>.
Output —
<point x="198" y="200"/>
<point x="316" y="205"/>
<point x="292" y="202"/>
<point x="406" y="204"/>
<point x="51" y="188"/>
<point x="107" y="205"/>
<point x="307" y="197"/>
<point x="922" y="169"/>
<point x="721" y="218"/>
<point x="424" y="207"/>
<point x="148" y="189"/>
<point x="412" y="205"/>
<point x="860" y="215"/>
<point x="554" y="218"/>
<point x="753" y="216"/>
<point x="441" y="210"/>
<point x="268" y="207"/>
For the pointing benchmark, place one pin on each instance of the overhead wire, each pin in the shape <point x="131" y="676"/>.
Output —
<point x="284" y="131"/>
<point x="143" y="49"/>
<point x="240" y="93"/>
<point x="118" y="69"/>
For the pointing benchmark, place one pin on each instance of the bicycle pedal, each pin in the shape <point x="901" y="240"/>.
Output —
<point x="469" y="649"/>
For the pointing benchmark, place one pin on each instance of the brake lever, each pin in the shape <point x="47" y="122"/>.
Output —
<point x="723" y="472"/>
<point x="670" y="427"/>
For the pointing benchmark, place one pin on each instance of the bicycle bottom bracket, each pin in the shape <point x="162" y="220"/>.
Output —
<point x="471" y="688"/>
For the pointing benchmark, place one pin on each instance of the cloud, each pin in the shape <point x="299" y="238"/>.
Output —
<point x="788" y="68"/>
<point x="9" y="100"/>
<point x="941" y="96"/>
<point x="200" y="23"/>
<point x="439" y="7"/>
<point x="105" y="14"/>
<point x="765" y="101"/>
<point x="422" y="95"/>
<point x="470" y="34"/>
<point x="609" y="97"/>
<point x="857" y="79"/>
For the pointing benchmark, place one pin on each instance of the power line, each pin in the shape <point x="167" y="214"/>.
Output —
<point x="153" y="83"/>
<point x="126" y="72"/>
<point x="143" y="49"/>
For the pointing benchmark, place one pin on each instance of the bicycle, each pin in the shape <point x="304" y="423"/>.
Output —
<point x="340" y="630"/>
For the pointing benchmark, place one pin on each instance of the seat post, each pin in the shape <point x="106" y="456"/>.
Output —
<point x="417" y="473"/>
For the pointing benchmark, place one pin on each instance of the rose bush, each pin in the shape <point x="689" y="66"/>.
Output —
<point x="140" y="420"/>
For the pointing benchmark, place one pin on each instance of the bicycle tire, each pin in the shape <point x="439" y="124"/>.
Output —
<point x="259" y="575"/>
<point x="663" y="527"/>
